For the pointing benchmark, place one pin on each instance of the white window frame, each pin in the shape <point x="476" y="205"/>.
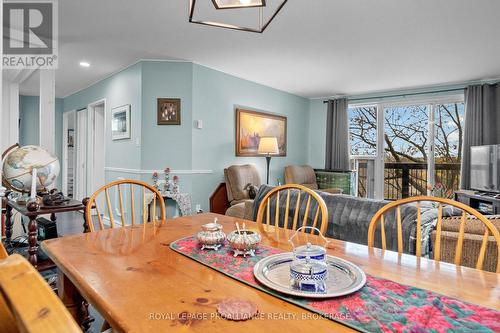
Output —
<point x="381" y="105"/>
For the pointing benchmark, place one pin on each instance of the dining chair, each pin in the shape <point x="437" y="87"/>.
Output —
<point x="283" y="196"/>
<point x="490" y="229"/>
<point x="148" y="197"/>
<point x="3" y="252"/>
<point x="27" y="303"/>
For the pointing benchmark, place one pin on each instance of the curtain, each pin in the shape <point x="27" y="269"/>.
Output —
<point x="482" y="123"/>
<point x="337" y="136"/>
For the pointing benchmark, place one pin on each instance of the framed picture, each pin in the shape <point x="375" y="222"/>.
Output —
<point x="252" y="125"/>
<point x="169" y="111"/>
<point x="71" y="137"/>
<point x="120" y="122"/>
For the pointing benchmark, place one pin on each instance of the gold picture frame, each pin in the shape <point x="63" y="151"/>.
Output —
<point x="252" y="125"/>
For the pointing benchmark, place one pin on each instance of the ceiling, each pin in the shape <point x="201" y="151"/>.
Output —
<point x="313" y="48"/>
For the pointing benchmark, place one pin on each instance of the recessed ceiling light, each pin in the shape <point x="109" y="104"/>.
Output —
<point x="84" y="64"/>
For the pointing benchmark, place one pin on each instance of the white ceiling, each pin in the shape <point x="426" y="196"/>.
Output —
<point x="313" y="48"/>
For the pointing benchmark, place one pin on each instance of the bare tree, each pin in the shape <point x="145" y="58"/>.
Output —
<point x="406" y="139"/>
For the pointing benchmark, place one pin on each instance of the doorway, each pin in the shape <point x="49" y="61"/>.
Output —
<point x="89" y="151"/>
<point x="68" y="152"/>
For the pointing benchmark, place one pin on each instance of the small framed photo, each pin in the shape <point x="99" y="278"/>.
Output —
<point x="169" y="111"/>
<point x="71" y="137"/>
<point x="120" y="122"/>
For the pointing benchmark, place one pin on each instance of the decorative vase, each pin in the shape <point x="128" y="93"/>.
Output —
<point x="155" y="180"/>
<point x="175" y="188"/>
<point x="166" y="186"/>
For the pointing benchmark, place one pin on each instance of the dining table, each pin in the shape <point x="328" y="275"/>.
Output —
<point x="138" y="283"/>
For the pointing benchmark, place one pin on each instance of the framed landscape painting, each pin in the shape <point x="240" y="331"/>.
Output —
<point x="252" y="125"/>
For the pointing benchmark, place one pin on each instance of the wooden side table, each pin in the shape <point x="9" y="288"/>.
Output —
<point x="71" y="206"/>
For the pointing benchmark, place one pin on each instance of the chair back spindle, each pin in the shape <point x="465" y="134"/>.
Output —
<point x="490" y="229"/>
<point x="147" y="204"/>
<point x="315" y="207"/>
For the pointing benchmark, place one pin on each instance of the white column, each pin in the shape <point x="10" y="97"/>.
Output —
<point x="1" y="113"/>
<point x="47" y="109"/>
<point x="10" y="115"/>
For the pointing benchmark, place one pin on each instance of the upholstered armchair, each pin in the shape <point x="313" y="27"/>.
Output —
<point x="237" y="177"/>
<point x="305" y="175"/>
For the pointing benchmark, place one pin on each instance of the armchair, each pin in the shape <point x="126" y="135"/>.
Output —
<point x="237" y="177"/>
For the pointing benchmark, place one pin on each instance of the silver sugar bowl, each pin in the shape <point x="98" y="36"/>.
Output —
<point x="309" y="270"/>
<point x="244" y="242"/>
<point x="212" y="237"/>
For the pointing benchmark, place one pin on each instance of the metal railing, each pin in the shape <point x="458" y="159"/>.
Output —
<point x="403" y="180"/>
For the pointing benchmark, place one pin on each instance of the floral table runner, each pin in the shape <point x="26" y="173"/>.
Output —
<point x="380" y="306"/>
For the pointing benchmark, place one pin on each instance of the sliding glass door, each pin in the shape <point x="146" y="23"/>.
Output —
<point x="407" y="149"/>
<point x="406" y="145"/>
<point x="448" y="127"/>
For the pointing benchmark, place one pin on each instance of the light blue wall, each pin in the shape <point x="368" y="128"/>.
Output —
<point x="166" y="145"/>
<point x="120" y="89"/>
<point x="317" y="133"/>
<point x="29" y="130"/>
<point x="29" y="114"/>
<point x="206" y="95"/>
<point x="215" y="97"/>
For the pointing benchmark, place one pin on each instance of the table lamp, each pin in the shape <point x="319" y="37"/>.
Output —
<point x="268" y="146"/>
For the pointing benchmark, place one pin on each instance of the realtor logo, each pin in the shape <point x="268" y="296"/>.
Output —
<point x="30" y="34"/>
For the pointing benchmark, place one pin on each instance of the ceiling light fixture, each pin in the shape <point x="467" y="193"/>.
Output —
<point x="240" y="4"/>
<point x="84" y="64"/>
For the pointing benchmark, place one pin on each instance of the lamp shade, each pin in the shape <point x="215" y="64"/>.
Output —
<point x="268" y="145"/>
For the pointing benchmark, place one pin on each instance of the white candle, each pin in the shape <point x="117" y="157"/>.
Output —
<point x="33" y="183"/>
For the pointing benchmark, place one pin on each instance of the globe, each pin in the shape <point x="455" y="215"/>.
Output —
<point x="20" y="162"/>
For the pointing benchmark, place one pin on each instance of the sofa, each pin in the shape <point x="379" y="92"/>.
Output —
<point x="349" y="217"/>
<point x="237" y="177"/>
<point x="305" y="175"/>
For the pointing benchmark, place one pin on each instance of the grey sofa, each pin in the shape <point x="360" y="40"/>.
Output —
<point x="349" y="218"/>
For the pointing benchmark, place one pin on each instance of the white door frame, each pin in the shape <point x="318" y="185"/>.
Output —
<point x="92" y="144"/>
<point x="80" y="190"/>
<point x="65" y="151"/>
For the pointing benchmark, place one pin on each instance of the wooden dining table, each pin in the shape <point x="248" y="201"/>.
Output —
<point x="139" y="284"/>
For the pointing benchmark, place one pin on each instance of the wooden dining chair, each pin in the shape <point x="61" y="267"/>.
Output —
<point x="3" y="252"/>
<point x="490" y="229"/>
<point x="281" y="195"/>
<point x="27" y="303"/>
<point x="92" y="204"/>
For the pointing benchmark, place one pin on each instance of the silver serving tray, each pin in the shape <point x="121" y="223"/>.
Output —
<point x="343" y="277"/>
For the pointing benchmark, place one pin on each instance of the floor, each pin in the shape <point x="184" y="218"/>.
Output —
<point x="67" y="224"/>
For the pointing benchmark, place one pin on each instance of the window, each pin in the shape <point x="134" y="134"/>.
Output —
<point x="406" y="141"/>
<point x="363" y="130"/>
<point x="419" y="147"/>
<point x="448" y="125"/>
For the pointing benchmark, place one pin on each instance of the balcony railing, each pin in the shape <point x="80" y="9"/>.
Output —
<point x="403" y="180"/>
